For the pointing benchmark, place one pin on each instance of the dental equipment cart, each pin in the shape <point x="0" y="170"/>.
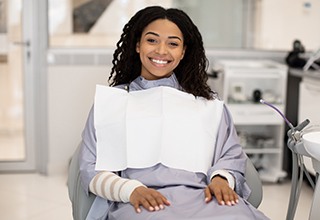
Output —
<point x="302" y="143"/>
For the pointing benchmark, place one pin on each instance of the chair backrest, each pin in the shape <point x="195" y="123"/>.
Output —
<point x="81" y="202"/>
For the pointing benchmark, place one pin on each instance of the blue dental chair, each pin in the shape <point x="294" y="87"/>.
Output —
<point x="81" y="203"/>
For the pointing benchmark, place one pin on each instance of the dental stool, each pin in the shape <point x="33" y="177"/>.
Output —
<point x="81" y="203"/>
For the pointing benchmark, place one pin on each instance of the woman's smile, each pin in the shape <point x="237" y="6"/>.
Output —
<point x="162" y="62"/>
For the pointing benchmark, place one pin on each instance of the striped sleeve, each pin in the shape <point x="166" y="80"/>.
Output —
<point x="112" y="187"/>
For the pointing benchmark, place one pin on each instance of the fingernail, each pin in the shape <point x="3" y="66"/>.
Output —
<point x="229" y="203"/>
<point x="161" y="207"/>
<point x="237" y="200"/>
<point x="232" y="202"/>
<point x="222" y="203"/>
<point x="138" y="210"/>
<point x="206" y="199"/>
<point x="157" y="208"/>
<point x="151" y="208"/>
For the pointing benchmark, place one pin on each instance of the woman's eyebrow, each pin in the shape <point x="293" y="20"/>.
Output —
<point x="150" y="32"/>
<point x="170" y="37"/>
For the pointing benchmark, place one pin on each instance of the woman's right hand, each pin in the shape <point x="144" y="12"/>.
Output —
<point x="150" y="199"/>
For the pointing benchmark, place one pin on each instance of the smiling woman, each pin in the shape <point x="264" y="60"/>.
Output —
<point x="166" y="148"/>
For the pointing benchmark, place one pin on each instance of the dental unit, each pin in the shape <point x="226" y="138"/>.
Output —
<point x="302" y="143"/>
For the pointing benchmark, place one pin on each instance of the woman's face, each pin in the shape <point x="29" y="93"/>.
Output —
<point x="161" y="48"/>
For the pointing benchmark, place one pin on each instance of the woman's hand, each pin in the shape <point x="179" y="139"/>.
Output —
<point x="219" y="187"/>
<point x="150" y="199"/>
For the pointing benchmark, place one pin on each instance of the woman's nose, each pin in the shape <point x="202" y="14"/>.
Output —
<point x="161" y="48"/>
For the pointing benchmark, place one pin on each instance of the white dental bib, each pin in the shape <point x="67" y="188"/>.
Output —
<point x="140" y="129"/>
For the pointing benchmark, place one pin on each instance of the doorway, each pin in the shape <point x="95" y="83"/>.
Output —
<point x="21" y="88"/>
<point x="12" y="126"/>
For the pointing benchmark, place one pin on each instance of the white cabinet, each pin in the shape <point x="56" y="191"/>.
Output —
<point x="260" y="128"/>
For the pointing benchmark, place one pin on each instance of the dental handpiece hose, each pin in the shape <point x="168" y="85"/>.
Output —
<point x="277" y="110"/>
<point x="297" y="128"/>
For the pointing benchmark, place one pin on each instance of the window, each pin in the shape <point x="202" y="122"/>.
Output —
<point x="228" y="24"/>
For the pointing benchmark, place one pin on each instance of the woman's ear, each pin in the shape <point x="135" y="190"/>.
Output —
<point x="138" y="47"/>
<point x="183" y="52"/>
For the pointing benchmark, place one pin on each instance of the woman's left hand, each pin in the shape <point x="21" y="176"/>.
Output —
<point x="220" y="188"/>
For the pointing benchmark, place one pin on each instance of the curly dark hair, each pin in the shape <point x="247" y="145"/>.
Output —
<point x="191" y="71"/>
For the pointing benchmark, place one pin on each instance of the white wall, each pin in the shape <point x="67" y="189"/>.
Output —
<point x="60" y="18"/>
<point x="70" y="97"/>
<point x="280" y="22"/>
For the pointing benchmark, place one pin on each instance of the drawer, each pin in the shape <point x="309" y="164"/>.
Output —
<point x="255" y="114"/>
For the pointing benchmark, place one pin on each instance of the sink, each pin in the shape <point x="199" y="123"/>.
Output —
<point x="311" y="142"/>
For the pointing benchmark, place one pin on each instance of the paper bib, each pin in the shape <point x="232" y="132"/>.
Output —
<point x="139" y="129"/>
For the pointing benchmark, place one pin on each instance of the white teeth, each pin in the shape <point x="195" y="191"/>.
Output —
<point x="160" y="61"/>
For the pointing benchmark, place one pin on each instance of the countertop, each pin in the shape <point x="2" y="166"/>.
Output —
<point x="315" y="74"/>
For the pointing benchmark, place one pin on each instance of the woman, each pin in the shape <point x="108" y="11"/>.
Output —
<point x="162" y="48"/>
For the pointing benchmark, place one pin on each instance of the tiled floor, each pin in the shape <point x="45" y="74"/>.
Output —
<point x="37" y="197"/>
<point x="34" y="197"/>
<point x="276" y="199"/>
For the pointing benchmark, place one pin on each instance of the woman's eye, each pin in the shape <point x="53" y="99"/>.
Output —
<point x="151" y="40"/>
<point x="173" y="44"/>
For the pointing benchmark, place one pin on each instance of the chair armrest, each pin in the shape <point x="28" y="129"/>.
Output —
<point x="255" y="184"/>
